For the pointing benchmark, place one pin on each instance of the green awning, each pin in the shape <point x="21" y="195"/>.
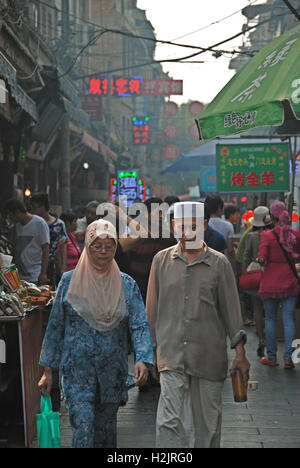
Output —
<point x="259" y="93"/>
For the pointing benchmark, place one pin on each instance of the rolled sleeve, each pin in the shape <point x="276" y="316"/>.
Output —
<point x="230" y="305"/>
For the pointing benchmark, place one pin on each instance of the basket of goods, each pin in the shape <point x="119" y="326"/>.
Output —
<point x="36" y="296"/>
<point x="11" y="306"/>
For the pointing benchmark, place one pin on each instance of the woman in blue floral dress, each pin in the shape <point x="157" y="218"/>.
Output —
<point x="96" y="309"/>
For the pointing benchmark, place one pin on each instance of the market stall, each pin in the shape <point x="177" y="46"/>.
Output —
<point x="24" y="308"/>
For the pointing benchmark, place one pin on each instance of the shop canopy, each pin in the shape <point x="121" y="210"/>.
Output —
<point x="265" y="92"/>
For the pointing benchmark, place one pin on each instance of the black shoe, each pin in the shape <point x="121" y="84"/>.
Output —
<point x="261" y="350"/>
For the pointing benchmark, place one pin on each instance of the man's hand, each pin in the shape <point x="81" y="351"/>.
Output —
<point x="42" y="279"/>
<point x="154" y="370"/>
<point x="45" y="384"/>
<point x="140" y="373"/>
<point x="241" y="362"/>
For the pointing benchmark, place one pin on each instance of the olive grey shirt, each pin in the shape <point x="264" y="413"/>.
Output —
<point x="251" y="248"/>
<point x="192" y="309"/>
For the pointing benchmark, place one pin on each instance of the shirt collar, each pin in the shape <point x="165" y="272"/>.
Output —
<point x="204" y="256"/>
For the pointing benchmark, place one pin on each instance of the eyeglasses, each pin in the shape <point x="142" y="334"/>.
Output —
<point x="100" y="248"/>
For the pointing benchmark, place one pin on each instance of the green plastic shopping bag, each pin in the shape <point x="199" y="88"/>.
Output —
<point x="48" y="429"/>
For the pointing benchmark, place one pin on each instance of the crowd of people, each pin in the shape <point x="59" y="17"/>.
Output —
<point x="172" y="305"/>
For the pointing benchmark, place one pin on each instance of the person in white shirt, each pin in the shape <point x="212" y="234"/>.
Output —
<point x="31" y="254"/>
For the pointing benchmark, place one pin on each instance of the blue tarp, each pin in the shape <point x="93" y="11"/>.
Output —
<point x="205" y="154"/>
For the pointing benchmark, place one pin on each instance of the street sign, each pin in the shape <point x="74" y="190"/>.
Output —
<point x="253" y="168"/>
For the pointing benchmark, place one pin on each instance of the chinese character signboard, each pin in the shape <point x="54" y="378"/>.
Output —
<point x="162" y="87"/>
<point x="113" y="190"/>
<point x="128" y="186"/>
<point x="140" y="130"/>
<point x="134" y="86"/>
<point x="253" y="168"/>
<point x="120" y="86"/>
<point x="142" y="189"/>
<point x="92" y="105"/>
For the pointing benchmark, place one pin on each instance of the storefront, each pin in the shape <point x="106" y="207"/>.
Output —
<point x="21" y="337"/>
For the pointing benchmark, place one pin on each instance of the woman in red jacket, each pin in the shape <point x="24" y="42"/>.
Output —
<point x="279" y="284"/>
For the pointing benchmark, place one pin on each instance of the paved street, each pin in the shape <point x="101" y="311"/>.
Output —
<point x="270" y="418"/>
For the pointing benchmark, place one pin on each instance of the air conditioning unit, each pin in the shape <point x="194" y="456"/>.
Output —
<point x="49" y="121"/>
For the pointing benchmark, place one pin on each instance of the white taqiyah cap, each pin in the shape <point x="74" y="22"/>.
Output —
<point x="183" y="210"/>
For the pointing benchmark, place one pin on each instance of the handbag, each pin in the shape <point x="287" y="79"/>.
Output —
<point x="48" y="428"/>
<point x="250" y="280"/>
<point x="291" y="264"/>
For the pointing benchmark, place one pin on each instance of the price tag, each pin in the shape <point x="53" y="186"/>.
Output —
<point x="2" y="352"/>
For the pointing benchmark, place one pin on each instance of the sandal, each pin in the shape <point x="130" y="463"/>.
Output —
<point x="261" y="350"/>
<point x="266" y="362"/>
<point x="288" y="365"/>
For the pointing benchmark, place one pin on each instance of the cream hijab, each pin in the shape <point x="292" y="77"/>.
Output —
<point x="96" y="293"/>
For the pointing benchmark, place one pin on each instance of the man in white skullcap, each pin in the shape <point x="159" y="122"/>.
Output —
<point x="193" y="306"/>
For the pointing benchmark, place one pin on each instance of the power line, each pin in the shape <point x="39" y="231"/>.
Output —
<point x="213" y="23"/>
<point x="118" y="31"/>
<point x="292" y="9"/>
<point x="180" y="59"/>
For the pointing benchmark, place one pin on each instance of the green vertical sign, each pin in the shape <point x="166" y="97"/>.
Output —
<point x="253" y="168"/>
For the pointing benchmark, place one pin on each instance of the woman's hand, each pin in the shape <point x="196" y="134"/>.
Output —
<point x="45" y="384"/>
<point x="140" y="374"/>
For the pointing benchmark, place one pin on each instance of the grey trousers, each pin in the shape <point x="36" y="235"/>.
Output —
<point x="189" y="413"/>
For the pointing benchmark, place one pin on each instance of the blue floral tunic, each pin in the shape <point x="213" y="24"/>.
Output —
<point x="92" y="362"/>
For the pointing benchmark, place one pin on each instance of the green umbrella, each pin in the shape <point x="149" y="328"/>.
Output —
<point x="259" y="93"/>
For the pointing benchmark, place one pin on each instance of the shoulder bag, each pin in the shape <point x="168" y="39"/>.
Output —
<point x="291" y="264"/>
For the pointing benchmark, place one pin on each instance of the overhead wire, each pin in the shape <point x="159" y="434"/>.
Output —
<point x="213" y="23"/>
<point x="181" y="59"/>
<point x="118" y="31"/>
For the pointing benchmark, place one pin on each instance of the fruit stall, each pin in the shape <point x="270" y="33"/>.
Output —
<point x="24" y="312"/>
